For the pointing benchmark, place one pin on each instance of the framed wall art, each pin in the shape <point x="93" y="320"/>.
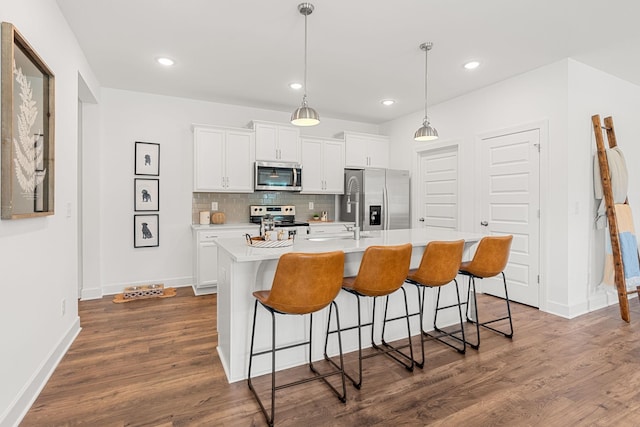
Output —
<point x="27" y="97"/>
<point x="145" y="231"/>
<point x="146" y="194"/>
<point x="147" y="158"/>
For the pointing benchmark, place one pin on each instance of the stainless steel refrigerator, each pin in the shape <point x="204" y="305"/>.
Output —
<point x="381" y="196"/>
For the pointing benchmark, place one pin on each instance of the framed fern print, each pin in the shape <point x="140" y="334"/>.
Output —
<point x="27" y="96"/>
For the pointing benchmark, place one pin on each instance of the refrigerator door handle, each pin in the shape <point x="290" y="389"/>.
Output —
<point x="385" y="208"/>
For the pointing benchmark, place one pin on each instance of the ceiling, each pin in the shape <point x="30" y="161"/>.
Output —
<point x="359" y="52"/>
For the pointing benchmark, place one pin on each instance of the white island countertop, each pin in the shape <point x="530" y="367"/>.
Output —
<point x="239" y="251"/>
<point x="243" y="269"/>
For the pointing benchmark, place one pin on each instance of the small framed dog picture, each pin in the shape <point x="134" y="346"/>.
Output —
<point x="145" y="231"/>
<point x="147" y="158"/>
<point x="146" y="195"/>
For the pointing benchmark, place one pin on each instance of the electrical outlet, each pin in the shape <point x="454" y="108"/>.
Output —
<point x="310" y="206"/>
<point x="214" y="206"/>
<point x="64" y="306"/>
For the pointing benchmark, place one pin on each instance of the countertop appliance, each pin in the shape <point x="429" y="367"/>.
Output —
<point x="279" y="176"/>
<point x="283" y="217"/>
<point x="380" y="198"/>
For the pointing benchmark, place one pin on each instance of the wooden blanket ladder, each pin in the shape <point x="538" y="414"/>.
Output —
<point x="607" y="191"/>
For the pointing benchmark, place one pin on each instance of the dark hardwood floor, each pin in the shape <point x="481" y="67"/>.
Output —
<point x="154" y="363"/>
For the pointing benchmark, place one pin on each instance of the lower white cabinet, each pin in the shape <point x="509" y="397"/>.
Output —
<point x="205" y="260"/>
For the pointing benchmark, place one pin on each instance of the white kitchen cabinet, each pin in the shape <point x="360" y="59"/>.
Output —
<point x="322" y="166"/>
<point x="277" y="142"/>
<point x="223" y="159"/>
<point x="366" y="150"/>
<point x="205" y="260"/>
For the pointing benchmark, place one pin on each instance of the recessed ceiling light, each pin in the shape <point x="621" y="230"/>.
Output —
<point x="472" y="65"/>
<point x="388" y="102"/>
<point x="295" y="86"/>
<point x="167" y="62"/>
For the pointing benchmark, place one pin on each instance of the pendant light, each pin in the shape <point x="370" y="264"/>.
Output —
<point x="426" y="132"/>
<point x="305" y="115"/>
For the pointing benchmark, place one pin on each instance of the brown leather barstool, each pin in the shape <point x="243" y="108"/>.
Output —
<point x="490" y="259"/>
<point x="438" y="267"/>
<point x="303" y="284"/>
<point x="382" y="271"/>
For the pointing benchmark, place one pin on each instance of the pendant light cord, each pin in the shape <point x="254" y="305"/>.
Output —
<point x="304" y="98"/>
<point x="426" y="68"/>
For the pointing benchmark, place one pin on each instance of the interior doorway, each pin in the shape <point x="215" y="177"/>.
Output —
<point x="437" y="188"/>
<point x="510" y="193"/>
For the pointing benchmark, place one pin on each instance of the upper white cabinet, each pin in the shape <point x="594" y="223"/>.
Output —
<point x="277" y="142"/>
<point x="366" y="150"/>
<point x="322" y="166"/>
<point x="223" y="159"/>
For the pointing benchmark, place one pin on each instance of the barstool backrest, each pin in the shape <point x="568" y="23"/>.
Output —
<point x="491" y="257"/>
<point x="440" y="263"/>
<point x="383" y="269"/>
<point x="306" y="282"/>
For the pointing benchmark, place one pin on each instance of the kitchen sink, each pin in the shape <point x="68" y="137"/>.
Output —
<point x="326" y="238"/>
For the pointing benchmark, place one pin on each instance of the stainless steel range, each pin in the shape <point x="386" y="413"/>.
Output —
<point x="283" y="217"/>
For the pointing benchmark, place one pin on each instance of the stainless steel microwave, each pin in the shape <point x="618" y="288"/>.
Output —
<point x="279" y="176"/>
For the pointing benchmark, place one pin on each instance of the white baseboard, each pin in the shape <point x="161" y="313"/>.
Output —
<point x="93" y="293"/>
<point x="21" y="405"/>
<point x="116" y="288"/>
<point x="566" y="311"/>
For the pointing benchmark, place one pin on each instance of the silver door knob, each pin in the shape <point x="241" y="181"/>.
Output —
<point x="421" y="219"/>
<point x="484" y="223"/>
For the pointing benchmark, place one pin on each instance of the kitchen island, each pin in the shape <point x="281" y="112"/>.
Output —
<point x="243" y="269"/>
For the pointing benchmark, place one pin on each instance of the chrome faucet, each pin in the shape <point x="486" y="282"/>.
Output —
<point x="356" y="229"/>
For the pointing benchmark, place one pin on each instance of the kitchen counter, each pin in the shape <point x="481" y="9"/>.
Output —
<point x="239" y="251"/>
<point x="244" y="269"/>
<point x="221" y="226"/>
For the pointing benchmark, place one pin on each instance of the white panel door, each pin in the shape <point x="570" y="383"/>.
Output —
<point x="438" y="188"/>
<point x="510" y="205"/>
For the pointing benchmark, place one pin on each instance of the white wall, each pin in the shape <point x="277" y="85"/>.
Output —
<point x="564" y="95"/>
<point x="38" y="256"/>
<point x="594" y="92"/>
<point x="538" y="96"/>
<point x="127" y="117"/>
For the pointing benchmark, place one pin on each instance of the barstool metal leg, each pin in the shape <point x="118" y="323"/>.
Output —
<point x="391" y="349"/>
<point x="442" y="333"/>
<point x="485" y="324"/>
<point x="273" y="366"/>
<point x="273" y="350"/>
<point x="472" y="292"/>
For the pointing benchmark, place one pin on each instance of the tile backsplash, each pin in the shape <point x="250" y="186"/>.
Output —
<point x="236" y="205"/>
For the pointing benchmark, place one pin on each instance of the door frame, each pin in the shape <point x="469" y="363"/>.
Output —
<point x="543" y="127"/>
<point x="418" y="152"/>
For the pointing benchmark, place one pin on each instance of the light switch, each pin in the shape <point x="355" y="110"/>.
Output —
<point x="310" y="206"/>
